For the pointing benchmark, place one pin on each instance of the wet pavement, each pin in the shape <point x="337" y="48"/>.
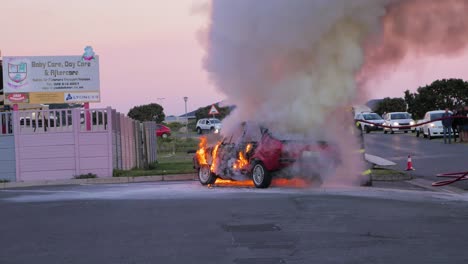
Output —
<point x="429" y="157"/>
<point x="183" y="222"/>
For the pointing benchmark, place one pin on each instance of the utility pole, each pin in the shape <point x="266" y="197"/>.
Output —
<point x="186" y="117"/>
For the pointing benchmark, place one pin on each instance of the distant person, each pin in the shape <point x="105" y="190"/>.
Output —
<point x="463" y="124"/>
<point x="455" y="122"/>
<point x="447" y="123"/>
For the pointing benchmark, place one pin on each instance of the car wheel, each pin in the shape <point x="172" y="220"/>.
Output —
<point x="406" y="131"/>
<point x="212" y="129"/>
<point x="164" y="135"/>
<point x="205" y="176"/>
<point x="199" y="131"/>
<point x="261" y="176"/>
<point x="424" y="135"/>
<point x="385" y="131"/>
<point x="392" y="132"/>
<point x="429" y="134"/>
<point x="417" y="133"/>
<point x="367" y="130"/>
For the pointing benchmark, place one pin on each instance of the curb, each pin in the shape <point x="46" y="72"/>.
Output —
<point x="108" y="180"/>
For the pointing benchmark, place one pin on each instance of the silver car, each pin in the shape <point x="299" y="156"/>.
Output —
<point x="398" y="121"/>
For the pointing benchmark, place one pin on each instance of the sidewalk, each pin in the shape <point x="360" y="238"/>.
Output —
<point x="109" y="180"/>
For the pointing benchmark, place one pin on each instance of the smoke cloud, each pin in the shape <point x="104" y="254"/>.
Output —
<point x="418" y="28"/>
<point x="293" y="65"/>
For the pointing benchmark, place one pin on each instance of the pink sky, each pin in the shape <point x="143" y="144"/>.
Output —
<point x="148" y="49"/>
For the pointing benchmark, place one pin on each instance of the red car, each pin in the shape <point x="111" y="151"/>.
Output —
<point x="162" y="131"/>
<point x="256" y="153"/>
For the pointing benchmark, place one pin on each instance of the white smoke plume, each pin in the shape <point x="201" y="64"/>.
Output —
<point x="292" y="65"/>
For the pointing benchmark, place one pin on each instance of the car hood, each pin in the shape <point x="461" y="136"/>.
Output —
<point x="402" y="120"/>
<point x="378" y="121"/>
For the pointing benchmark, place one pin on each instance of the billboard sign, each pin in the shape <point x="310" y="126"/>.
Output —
<point x="73" y="79"/>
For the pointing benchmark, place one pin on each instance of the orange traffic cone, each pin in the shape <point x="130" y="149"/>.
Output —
<point x="409" y="164"/>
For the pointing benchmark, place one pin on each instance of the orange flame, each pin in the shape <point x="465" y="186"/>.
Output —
<point x="201" y="152"/>
<point x="214" y="166"/>
<point x="242" y="162"/>
<point x="248" y="148"/>
<point x="277" y="182"/>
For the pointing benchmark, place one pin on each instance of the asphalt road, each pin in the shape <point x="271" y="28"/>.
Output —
<point x="188" y="223"/>
<point x="429" y="157"/>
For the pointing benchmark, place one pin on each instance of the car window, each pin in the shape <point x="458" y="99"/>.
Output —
<point x="436" y="116"/>
<point x="158" y="126"/>
<point x="215" y="121"/>
<point x="372" y="116"/>
<point x="400" y="116"/>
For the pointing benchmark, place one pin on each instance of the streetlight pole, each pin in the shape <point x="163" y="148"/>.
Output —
<point x="186" y="117"/>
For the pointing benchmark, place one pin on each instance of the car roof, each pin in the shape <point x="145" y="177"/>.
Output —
<point x="437" y="111"/>
<point x="398" y="113"/>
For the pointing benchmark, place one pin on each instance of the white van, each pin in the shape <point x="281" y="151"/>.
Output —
<point x="433" y="129"/>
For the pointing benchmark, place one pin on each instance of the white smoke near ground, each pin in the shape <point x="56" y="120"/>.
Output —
<point x="292" y="65"/>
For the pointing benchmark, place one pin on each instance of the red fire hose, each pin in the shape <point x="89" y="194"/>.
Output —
<point x="456" y="176"/>
<point x="409" y="126"/>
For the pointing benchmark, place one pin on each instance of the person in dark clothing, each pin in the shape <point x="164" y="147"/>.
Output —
<point x="455" y="124"/>
<point x="463" y="124"/>
<point x="447" y="123"/>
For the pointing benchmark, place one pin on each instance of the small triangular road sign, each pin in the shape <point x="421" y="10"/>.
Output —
<point x="213" y="110"/>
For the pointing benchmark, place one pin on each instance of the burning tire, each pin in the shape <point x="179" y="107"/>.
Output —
<point x="205" y="176"/>
<point x="261" y="176"/>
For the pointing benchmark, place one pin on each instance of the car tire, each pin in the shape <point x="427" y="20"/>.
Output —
<point x="392" y="132"/>
<point x="424" y="135"/>
<point x="199" y="131"/>
<point x="429" y="135"/>
<point x="367" y="129"/>
<point x="406" y="132"/>
<point x="260" y="175"/>
<point x="417" y="133"/>
<point x="385" y="131"/>
<point x="205" y="176"/>
<point x="164" y="135"/>
<point x="212" y="129"/>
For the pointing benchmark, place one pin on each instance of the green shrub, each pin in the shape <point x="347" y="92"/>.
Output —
<point x="85" y="176"/>
<point x="175" y="127"/>
<point x="118" y="173"/>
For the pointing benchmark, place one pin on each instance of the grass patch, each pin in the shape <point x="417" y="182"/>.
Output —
<point x="176" y="145"/>
<point x="381" y="174"/>
<point x="85" y="176"/>
<point x="4" y="180"/>
<point x="180" y="163"/>
<point x="382" y="171"/>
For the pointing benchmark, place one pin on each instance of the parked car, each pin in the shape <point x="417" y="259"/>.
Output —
<point x="370" y="117"/>
<point x="398" y="121"/>
<point x="433" y="129"/>
<point x="162" y="131"/>
<point x="257" y="153"/>
<point x="212" y="125"/>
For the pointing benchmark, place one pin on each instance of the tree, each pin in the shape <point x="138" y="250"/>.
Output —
<point x="149" y="112"/>
<point x="441" y="94"/>
<point x="391" y="105"/>
<point x="203" y="112"/>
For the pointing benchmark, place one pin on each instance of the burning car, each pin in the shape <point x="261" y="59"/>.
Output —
<point x="256" y="153"/>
